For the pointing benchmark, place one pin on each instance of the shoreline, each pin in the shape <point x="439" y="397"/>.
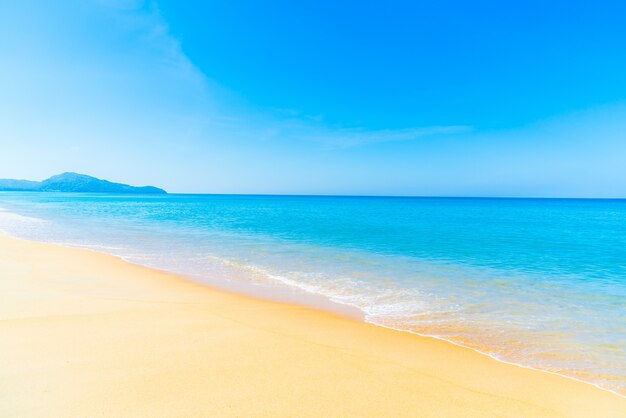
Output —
<point x="281" y="290"/>
<point x="379" y="350"/>
<point x="291" y="294"/>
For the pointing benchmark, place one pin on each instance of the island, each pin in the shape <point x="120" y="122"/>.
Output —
<point x="75" y="183"/>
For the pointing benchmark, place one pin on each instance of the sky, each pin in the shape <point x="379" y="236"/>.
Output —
<point x="437" y="98"/>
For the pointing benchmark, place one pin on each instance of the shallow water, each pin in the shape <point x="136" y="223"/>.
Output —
<point x="538" y="282"/>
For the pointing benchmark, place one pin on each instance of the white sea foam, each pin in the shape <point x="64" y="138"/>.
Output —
<point x="405" y="310"/>
<point x="8" y="216"/>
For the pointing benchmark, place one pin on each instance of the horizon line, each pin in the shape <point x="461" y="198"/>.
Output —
<point x="319" y="195"/>
<point x="396" y="196"/>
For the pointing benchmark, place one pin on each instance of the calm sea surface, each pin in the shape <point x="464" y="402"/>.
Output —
<point x="537" y="282"/>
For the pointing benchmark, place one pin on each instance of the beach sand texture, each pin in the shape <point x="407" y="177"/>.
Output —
<point x="87" y="334"/>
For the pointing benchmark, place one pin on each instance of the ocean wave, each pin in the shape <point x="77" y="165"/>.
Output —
<point x="8" y="216"/>
<point x="425" y="314"/>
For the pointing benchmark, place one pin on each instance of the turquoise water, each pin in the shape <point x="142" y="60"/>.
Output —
<point x="536" y="282"/>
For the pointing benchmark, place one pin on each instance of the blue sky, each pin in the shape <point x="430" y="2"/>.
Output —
<point x="401" y="98"/>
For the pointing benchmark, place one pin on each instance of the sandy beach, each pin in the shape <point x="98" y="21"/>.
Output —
<point x="87" y="334"/>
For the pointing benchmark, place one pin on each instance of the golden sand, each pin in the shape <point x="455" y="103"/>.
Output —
<point x="87" y="334"/>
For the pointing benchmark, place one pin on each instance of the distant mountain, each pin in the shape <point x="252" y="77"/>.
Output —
<point x="18" y="185"/>
<point x="73" y="182"/>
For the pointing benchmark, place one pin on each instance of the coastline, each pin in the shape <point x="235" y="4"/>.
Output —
<point x="85" y="333"/>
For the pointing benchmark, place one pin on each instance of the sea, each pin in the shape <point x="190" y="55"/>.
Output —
<point x="540" y="283"/>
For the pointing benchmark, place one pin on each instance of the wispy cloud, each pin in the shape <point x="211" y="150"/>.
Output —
<point x="350" y="137"/>
<point x="307" y="129"/>
<point x="224" y="111"/>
